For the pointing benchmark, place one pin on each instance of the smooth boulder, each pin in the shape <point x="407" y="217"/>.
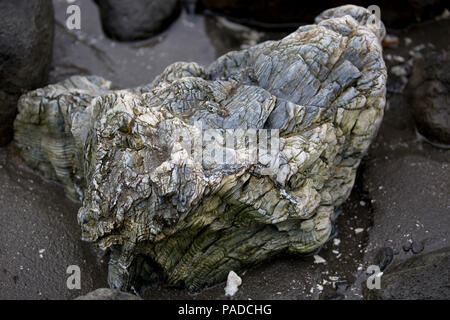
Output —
<point x="131" y="20"/>
<point x="26" y="44"/>
<point x="428" y="94"/>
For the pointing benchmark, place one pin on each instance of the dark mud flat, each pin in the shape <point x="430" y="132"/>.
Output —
<point x="406" y="178"/>
<point x="401" y="192"/>
<point x="40" y="237"/>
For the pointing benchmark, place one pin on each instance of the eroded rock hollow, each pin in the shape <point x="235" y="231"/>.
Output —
<point x="145" y="164"/>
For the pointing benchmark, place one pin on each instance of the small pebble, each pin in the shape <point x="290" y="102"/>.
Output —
<point x="390" y="41"/>
<point x="417" y="247"/>
<point x="407" y="247"/>
<point x="399" y="59"/>
<point x="384" y="257"/>
<point x="419" y="47"/>
<point x="336" y="241"/>
<point x="399" y="71"/>
<point x="359" y="230"/>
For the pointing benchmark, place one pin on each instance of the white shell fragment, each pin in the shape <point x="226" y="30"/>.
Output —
<point x="233" y="282"/>
<point x="319" y="259"/>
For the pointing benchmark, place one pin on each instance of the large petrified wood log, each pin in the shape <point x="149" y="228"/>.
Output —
<point x="132" y="156"/>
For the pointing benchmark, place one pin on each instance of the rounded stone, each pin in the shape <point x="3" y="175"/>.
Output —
<point x="26" y="44"/>
<point x="130" y="20"/>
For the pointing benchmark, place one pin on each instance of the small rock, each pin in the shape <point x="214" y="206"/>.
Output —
<point x="390" y="41"/>
<point x="384" y="257"/>
<point x="359" y="230"/>
<point x="407" y="247"/>
<point x="126" y="20"/>
<point x="428" y="95"/>
<point x="399" y="71"/>
<point x="419" y="47"/>
<point x="408" y="41"/>
<point x="399" y="59"/>
<point x="417" y="247"/>
<point x="233" y="282"/>
<point x="444" y="15"/>
<point x="319" y="259"/>
<point x="336" y="241"/>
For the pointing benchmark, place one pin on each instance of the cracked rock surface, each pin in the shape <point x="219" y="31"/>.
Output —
<point x="165" y="213"/>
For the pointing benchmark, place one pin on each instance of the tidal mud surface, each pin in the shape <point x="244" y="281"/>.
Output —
<point x="40" y="237"/>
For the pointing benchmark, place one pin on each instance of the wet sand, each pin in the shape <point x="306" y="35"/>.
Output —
<point x="40" y="237"/>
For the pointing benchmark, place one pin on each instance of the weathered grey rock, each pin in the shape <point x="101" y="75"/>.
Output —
<point x="164" y="211"/>
<point x="425" y="276"/>
<point x="26" y="42"/>
<point x="129" y="20"/>
<point x="428" y="93"/>
<point x="108" y="294"/>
